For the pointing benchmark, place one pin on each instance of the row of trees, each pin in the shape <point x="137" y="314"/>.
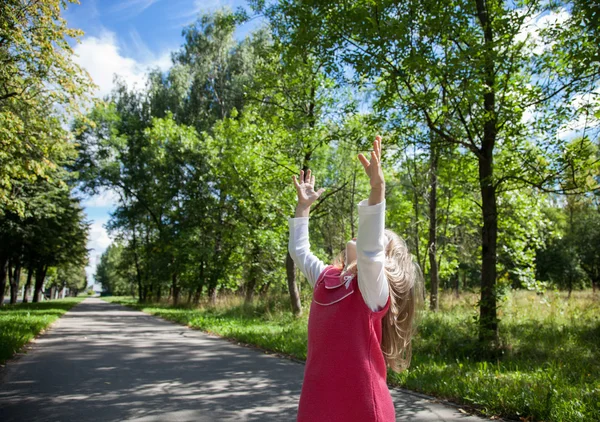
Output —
<point x="49" y="241"/>
<point x="472" y="106"/>
<point x="474" y="100"/>
<point x="42" y="227"/>
<point x="466" y="73"/>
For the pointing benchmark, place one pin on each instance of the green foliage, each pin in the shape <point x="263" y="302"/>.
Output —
<point x="109" y="274"/>
<point x="201" y="162"/>
<point x="548" y="368"/>
<point x="523" y="227"/>
<point x="463" y="77"/>
<point x="571" y="258"/>
<point x="37" y="76"/>
<point x="53" y="234"/>
<point x="20" y="323"/>
<point x="586" y="232"/>
<point x="70" y="276"/>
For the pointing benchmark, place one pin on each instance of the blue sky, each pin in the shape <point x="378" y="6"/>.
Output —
<point x="127" y="37"/>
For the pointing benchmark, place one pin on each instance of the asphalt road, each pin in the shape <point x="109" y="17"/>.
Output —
<point x="7" y="300"/>
<point x="105" y="362"/>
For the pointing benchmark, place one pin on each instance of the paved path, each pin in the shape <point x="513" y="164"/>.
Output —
<point x="105" y="362"/>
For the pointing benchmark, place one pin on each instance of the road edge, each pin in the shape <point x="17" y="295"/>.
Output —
<point x="462" y="408"/>
<point x="30" y="345"/>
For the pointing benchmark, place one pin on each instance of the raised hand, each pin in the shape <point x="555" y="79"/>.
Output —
<point x="306" y="192"/>
<point x="373" y="170"/>
<point x="373" y="167"/>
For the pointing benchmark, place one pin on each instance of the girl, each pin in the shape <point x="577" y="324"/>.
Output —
<point x="362" y="312"/>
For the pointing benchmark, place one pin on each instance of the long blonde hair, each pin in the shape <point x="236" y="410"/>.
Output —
<point x="405" y="282"/>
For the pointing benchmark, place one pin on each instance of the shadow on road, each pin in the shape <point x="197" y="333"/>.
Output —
<point x="104" y="362"/>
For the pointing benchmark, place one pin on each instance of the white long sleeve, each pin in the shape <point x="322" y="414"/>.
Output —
<point x="299" y="248"/>
<point x="370" y="254"/>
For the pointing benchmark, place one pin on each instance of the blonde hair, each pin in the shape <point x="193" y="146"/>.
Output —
<point x="405" y="282"/>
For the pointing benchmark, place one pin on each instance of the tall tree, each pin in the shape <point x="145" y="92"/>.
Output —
<point x="37" y="75"/>
<point x="466" y="53"/>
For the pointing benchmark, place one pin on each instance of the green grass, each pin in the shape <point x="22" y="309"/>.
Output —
<point x="547" y="369"/>
<point x="21" y="322"/>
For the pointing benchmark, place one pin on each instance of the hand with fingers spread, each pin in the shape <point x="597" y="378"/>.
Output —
<point x="305" y="188"/>
<point x="375" y="173"/>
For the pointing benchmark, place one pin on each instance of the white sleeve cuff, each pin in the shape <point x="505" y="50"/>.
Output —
<point x="297" y="221"/>
<point x="364" y="207"/>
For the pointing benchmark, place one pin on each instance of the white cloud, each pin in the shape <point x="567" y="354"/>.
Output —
<point x="106" y="198"/>
<point x="532" y="25"/>
<point x="202" y="6"/>
<point x="133" y="7"/>
<point x="583" y="123"/>
<point x="102" y="58"/>
<point x="97" y="243"/>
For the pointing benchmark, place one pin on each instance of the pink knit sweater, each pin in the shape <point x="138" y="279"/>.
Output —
<point x="345" y="373"/>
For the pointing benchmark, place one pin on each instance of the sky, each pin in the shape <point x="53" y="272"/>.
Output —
<point x="128" y="37"/>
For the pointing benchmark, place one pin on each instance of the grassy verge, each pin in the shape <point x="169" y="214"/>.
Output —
<point x="548" y="368"/>
<point x="21" y="322"/>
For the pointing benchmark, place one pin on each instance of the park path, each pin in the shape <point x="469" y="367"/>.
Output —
<point x="106" y="362"/>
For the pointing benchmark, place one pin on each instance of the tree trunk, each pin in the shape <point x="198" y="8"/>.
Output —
<point x="175" y="288"/>
<point x="353" y="234"/>
<point x="198" y="291"/>
<point x="265" y="288"/>
<point x="27" y="284"/>
<point x="253" y="273"/>
<point x="212" y="293"/>
<point x="250" y="285"/>
<point x="14" y="282"/>
<point x="292" y="286"/>
<point x="433" y="265"/>
<point x="417" y="220"/>
<point x="138" y="273"/>
<point x="457" y="284"/>
<point x="488" y="320"/>
<point x="197" y="295"/>
<point x="3" y="274"/>
<point x="10" y="277"/>
<point x="40" y="275"/>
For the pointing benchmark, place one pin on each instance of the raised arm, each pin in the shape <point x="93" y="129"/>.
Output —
<point x="299" y="246"/>
<point x="371" y="242"/>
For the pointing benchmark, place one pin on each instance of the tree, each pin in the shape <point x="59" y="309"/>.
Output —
<point x="210" y="74"/>
<point x="68" y="276"/>
<point x="52" y="233"/>
<point x="37" y="75"/>
<point x="109" y="272"/>
<point x="463" y="70"/>
<point x="586" y="232"/>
